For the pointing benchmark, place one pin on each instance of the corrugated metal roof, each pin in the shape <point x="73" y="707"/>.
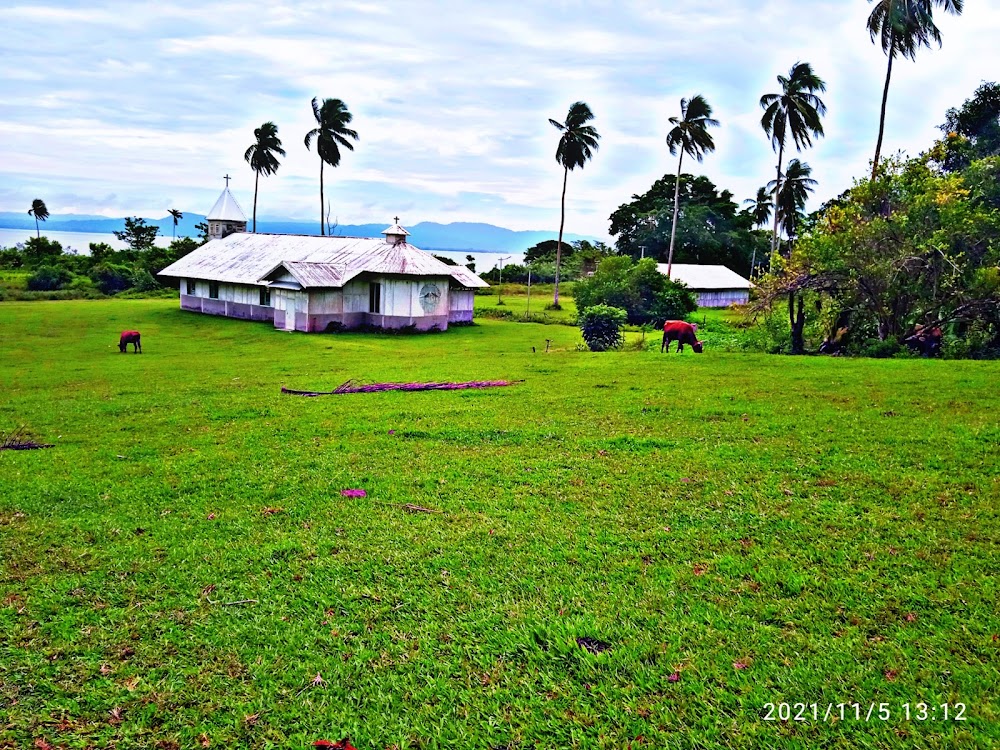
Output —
<point x="705" y="277"/>
<point x="311" y="274"/>
<point x="394" y="229"/>
<point x="243" y="258"/>
<point x="226" y="209"/>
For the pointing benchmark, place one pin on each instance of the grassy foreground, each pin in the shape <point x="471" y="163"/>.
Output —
<point x="736" y="529"/>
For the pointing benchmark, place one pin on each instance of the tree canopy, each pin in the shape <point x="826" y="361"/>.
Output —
<point x="711" y="229"/>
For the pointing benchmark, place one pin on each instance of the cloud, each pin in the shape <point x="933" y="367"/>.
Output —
<point x="122" y="108"/>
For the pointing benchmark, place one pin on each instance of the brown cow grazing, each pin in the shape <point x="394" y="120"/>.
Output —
<point x="682" y="333"/>
<point x="130" y="337"/>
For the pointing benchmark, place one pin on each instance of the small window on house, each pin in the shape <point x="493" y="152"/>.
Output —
<point x="213" y="289"/>
<point x="191" y="286"/>
<point x="374" y="297"/>
<point x="265" y="297"/>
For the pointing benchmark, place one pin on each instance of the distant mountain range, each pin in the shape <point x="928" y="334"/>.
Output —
<point x="472" y="237"/>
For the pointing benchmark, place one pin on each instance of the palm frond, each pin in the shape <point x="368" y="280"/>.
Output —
<point x="579" y="141"/>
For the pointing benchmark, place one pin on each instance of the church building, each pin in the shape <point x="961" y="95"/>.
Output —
<point x="315" y="283"/>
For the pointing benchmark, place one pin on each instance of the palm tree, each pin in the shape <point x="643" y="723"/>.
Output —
<point x="332" y="118"/>
<point x="901" y="27"/>
<point x="39" y="211"/>
<point x="761" y="207"/>
<point x="690" y="136"/>
<point x="798" y="110"/>
<point x="177" y="216"/>
<point x="261" y="157"/>
<point x="796" y="185"/>
<point x="576" y="147"/>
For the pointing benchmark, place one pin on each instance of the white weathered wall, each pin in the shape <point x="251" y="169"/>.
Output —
<point x="723" y="298"/>
<point x="326" y="302"/>
<point x="356" y="296"/>
<point x="460" y="299"/>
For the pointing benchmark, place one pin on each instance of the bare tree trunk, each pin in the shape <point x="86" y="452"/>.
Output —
<point x="677" y="204"/>
<point x="777" y="189"/>
<point x="797" y="321"/>
<point x="38" y="231"/>
<point x="562" y="221"/>
<point x="322" y="203"/>
<point x="881" y="122"/>
<point x="255" y="183"/>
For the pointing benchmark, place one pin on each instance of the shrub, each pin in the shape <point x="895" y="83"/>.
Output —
<point x="85" y="285"/>
<point x="143" y="281"/>
<point x="601" y="326"/>
<point x="48" y="279"/>
<point x="111" y="278"/>
<point x="880" y="349"/>
<point x="646" y="295"/>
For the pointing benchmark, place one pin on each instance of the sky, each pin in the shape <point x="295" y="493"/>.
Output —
<point x="117" y="109"/>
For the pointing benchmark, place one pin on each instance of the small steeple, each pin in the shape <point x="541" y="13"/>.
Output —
<point x="395" y="234"/>
<point x="226" y="215"/>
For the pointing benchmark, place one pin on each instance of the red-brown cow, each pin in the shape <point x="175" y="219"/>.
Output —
<point x="130" y="337"/>
<point x="682" y="333"/>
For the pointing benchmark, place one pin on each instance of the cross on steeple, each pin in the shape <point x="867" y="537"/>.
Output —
<point x="227" y="179"/>
<point x="395" y="219"/>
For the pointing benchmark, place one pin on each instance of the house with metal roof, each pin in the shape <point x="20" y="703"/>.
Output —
<point x="309" y="283"/>
<point x="714" y="286"/>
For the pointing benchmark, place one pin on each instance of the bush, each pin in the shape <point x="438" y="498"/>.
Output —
<point x="85" y="285"/>
<point x="646" y="295"/>
<point x="111" y="278"/>
<point x="601" y="326"/>
<point x="143" y="281"/>
<point x="880" y="349"/>
<point x="48" y="279"/>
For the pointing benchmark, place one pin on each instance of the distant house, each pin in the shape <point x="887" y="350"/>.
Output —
<point x="309" y="283"/>
<point x="714" y="286"/>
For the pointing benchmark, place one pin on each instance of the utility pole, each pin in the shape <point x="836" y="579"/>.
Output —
<point x="527" y="312"/>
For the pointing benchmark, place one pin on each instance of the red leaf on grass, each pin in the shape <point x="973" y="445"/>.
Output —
<point x="211" y="516"/>
<point x="344" y="744"/>
<point x="271" y="511"/>
<point x="700" y="570"/>
<point x="318" y="680"/>
<point x="740" y="665"/>
<point x="910" y="617"/>
<point x="675" y="677"/>
<point x="891" y="674"/>
<point x="42" y="744"/>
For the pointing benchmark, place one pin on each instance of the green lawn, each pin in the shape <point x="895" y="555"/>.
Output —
<point x="831" y="525"/>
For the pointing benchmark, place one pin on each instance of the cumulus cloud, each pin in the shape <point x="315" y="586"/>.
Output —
<point x="135" y="108"/>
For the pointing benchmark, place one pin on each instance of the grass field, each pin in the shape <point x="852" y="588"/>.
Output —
<point x="181" y="569"/>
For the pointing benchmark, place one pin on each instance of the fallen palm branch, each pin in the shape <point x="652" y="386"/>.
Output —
<point x="17" y="440"/>
<point x="351" y="387"/>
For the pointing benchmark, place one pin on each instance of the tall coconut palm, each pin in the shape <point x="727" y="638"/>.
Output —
<point x="797" y="111"/>
<point x="796" y="185"/>
<point x="760" y="207"/>
<point x="40" y="212"/>
<point x="177" y="216"/>
<point x="576" y="147"/>
<point x="261" y="156"/>
<point x="332" y="132"/>
<point x="689" y="136"/>
<point x="901" y="27"/>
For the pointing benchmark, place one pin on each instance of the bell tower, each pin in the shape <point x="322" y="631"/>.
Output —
<point x="226" y="216"/>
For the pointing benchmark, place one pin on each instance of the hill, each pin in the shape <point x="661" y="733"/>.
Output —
<point x="469" y="236"/>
